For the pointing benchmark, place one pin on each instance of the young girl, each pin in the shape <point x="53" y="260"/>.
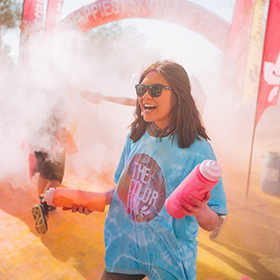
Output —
<point x="167" y="140"/>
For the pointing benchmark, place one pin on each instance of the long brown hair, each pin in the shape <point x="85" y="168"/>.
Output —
<point x="186" y="120"/>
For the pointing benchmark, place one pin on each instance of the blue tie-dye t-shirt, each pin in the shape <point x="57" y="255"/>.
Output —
<point x="140" y="236"/>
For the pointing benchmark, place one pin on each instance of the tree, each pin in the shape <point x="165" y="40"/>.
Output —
<point x="10" y="14"/>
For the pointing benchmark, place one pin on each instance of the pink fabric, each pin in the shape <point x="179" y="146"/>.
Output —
<point x="181" y="12"/>
<point x="33" y="12"/>
<point x="32" y="164"/>
<point x="270" y="71"/>
<point x="53" y="13"/>
<point x="239" y="41"/>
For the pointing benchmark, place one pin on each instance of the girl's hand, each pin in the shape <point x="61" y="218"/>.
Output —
<point x="75" y="208"/>
<point x="198" y="206"/>
<point x="93" y="97"/>
<point x="206" y="218"/>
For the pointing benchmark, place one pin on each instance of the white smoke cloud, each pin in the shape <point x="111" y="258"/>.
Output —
<point x="43" y="92"/>
<point x="60" y="64"/>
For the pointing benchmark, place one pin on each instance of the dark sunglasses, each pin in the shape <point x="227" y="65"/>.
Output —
<point x="154" y="89"/>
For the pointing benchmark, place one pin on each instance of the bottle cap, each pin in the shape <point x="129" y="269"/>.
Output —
<point x="211" y="170"/>
<point x="49" y="196"/>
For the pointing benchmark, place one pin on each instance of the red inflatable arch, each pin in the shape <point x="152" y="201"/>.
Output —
<point x="181" y="12"/>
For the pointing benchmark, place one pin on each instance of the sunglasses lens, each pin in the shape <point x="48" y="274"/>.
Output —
<point x="155" y="90"/>
<point x="140" y="90"/>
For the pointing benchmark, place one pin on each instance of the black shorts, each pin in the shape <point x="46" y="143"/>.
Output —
<point x="48" y="169"/>
<point x="118" y="276"/>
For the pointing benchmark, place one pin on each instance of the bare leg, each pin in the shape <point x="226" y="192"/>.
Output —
<point x="41" y="185"/>
<point x="52" y="184"/>
<point x="44" y="184"/>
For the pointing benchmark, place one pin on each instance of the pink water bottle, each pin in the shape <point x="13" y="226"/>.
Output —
<point x="63" y="197"/>
<point x="203" y="178"/>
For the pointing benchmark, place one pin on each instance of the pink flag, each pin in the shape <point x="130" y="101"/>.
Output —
<point x="53" y="14"/>
<point x="270" y="71"/>
<point x="33" y="12"/>
<point x="236" y="56"/>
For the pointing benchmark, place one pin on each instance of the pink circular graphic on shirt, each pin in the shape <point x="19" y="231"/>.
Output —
<point x="142" y="188"/>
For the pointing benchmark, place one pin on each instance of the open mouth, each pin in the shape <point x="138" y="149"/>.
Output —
<point x="149" y="107"/>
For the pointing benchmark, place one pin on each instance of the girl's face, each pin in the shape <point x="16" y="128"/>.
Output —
<point x="156" y="109"/>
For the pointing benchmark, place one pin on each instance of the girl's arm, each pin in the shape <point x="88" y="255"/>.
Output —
<point x="109" y="195"/>
<point x="206" y="218"/>
<point x="97" y="97"/>
<point x="83" y="210"/>
<point x="121" y="100"/>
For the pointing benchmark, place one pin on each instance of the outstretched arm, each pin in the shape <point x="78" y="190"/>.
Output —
<point x="121" y="100"/>
<point x="92" y="97"/>
<point x="96" y="98"/>
<point x="83" y="210"/>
